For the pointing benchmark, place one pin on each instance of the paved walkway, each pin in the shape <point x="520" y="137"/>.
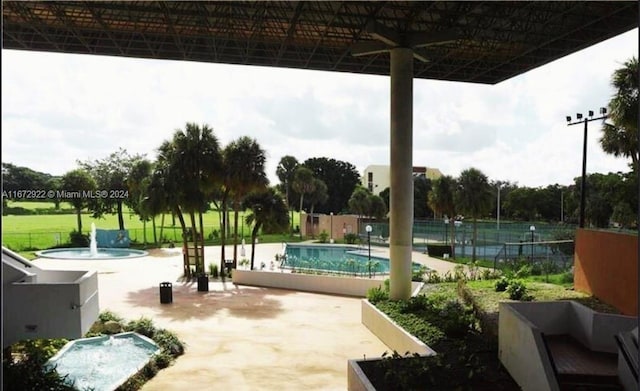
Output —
<point x="238" y="337"/>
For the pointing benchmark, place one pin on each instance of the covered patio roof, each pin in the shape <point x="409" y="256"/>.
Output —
<point x="481" y="42"/>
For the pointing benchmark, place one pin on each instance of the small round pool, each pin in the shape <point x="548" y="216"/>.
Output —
<point x="85" y="253"/>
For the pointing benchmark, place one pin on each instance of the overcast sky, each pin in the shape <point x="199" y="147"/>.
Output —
<point x="60" y="108"/>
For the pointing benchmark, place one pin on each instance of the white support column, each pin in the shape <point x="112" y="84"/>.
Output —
<point x="401" y="192"/>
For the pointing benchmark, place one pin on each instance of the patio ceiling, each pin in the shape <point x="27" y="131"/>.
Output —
<point x="492" y="41"/>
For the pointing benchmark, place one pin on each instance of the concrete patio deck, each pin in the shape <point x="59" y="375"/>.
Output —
<point x="239" y="337"/>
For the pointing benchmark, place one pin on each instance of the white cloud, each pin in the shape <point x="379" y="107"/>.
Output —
<point x="60" y="108"/>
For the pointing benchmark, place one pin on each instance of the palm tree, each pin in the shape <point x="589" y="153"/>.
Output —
<point x="245" y="172"/>
<point x="359" y="203"/>
<point x="191" y="163"/>
<point x="302" y="184"/>
<point x="474" y="198"/>
<point x="317" y="196"/>
<point x="268" y="211"/>
<point x="286" y="171"/>
<point x="441" y="199"/>
<point x="620" y="139"/>
<point x="79" y="181"/>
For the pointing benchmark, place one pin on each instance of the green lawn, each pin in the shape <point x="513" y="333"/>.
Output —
<point x="488" y="299"/>
<point x="23" y="232"/>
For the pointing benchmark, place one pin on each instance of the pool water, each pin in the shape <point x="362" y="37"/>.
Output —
<point x="335" y="259"/>
<point x="85" y="253"/>
<point x="103" y="363"/>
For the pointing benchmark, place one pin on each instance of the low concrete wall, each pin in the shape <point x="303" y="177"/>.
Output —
<point x="521" y="326"/>
<point x="522" y="352"/>
<point x="605" y="327"/>
<point x="356" y="379"/>
<point x="606" y="266"/>
<point x="392" y="335"/>
<point x="50" y="310"/>
<point x="335" y="285"/>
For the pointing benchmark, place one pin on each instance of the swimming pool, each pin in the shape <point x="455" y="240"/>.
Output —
<point x="335" y="259"/>
<point x="103" y="363"/>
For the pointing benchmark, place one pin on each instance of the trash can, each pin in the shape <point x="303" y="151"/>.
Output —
<point x="166" y="293"/>
<point x="203" y="283"/>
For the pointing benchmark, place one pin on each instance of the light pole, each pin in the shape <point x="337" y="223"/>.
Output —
<point x="446" y="229"/>
<point x="583" y="186"/>
<point x="368" y="228"/>
<point x="331" y="229"/>
<point x="533" y="230"/>
<point x="456" y="225"/>
<point x="498" y="209"/>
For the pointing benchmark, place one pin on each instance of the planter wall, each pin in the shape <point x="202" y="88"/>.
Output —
<point x="390" y="333"/>
<point x="335" y="285"/>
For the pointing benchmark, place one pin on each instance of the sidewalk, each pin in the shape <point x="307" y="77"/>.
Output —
<point x="238" y="337"/>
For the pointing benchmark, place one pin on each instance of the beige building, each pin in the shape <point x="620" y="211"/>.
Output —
<point x="336" y="226"/>
<point x="376" y="178"/>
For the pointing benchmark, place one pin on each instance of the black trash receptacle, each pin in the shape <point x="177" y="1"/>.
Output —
<point x="166" y="293"/>
<point x="203" y="283"/>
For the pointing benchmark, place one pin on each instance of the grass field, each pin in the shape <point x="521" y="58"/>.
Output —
<point x="25" y="232"/>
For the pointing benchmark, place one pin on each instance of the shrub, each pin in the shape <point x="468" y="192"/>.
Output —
<point x="162" y="360"/>
<point x="29" y="372"/>
<point x="142" y="326"/>
<point x="169" y="342"/>
<point x="418" y="275"/>
<point x="502" y="284"/>
<point x="455" y="320"/>
<point x="324" y="236"/>
<point x="433" y="277"/>
<point x="106" y="316"/>
<point x="377" y="294"/>
<point x="213" y="270"/>
<point x="517" y="290"/>
<point x="350" y="238"/>
<point x="78" y="239"/>
<point x="566" y="277"/>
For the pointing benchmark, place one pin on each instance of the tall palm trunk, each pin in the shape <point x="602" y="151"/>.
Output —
<point x="153" y="228"/>
<point x="120" y="218"/>
<point x="79" y="219"/>
<point x="305" y="221"/>
<point x="313" y="231"/>
<point x="161" y="228"/>
<point x="183" y="226"/>
<point x="254" y="234"/>
<point x="235" y="233"/>
<point x="223" y="230"/>
<point x="195" y="237"/>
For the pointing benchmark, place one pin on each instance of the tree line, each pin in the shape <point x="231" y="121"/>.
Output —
<point x="192" y="172"/>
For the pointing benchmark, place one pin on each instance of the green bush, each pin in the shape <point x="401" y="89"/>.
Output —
<point x="169" y="342"/>
<point x="418" y="275"/>
<point x="213" y="270"/>
<point x="350" y="238"/>
<point x="502" y="284"/>
<point x="455" y="320"/>
<point x="162" y="360"/>
<point x="324" y="236"/>
<point x="106" y="316"/>
<point x="517" y="290"/>
<point x="566" y="277"/>
<point x="142" y="326"/>
<point x="377" y="294"/>
<point x="78" y="239"/>
<point x="29" y="372"/>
